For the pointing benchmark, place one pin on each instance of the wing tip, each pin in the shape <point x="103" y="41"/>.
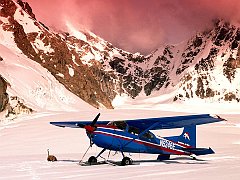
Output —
<point x="218" y="117"/>
<point x="56" y="124"/>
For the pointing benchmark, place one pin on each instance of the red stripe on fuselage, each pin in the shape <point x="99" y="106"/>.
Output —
<point x="183" y="145"/>
<point x="157" y="146"/>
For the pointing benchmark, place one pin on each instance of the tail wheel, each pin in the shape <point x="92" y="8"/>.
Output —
<point x="126" y="161"/>
<point x="92" y="160"/>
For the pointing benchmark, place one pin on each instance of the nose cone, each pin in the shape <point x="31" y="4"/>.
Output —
<point x="89" y="128"/>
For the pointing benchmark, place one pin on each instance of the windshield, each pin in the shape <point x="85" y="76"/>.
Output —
<point x="119" y="124"/>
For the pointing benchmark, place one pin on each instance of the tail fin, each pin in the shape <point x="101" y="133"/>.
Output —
<point x="188" y="136"/>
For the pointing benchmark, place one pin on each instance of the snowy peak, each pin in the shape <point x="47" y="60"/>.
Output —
<point x="216" y="67"/>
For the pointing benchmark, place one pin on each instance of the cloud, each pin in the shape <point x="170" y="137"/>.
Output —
<point x="136" y="25"/>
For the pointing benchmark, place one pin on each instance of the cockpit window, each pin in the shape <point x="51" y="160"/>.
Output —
<point x="119" y="124"/>
<point x="133" y="130"/>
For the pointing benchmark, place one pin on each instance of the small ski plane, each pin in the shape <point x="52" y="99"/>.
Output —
<point x="134" y="136"/>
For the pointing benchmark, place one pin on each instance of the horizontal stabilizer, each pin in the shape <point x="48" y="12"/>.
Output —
<point x="199" y="151"/>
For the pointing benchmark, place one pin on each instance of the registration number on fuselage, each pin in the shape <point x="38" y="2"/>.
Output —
<point x="167" y="144"/>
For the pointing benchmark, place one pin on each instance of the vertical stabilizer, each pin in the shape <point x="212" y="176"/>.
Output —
<point x="188" y="136"/>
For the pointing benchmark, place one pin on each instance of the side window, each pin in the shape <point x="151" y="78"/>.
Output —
<point x="133" y="130"/>
<point x="148" y="135"/>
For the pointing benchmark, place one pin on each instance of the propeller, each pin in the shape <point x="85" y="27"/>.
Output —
<point x="95" y="120"/>
<point x="90" y="128"/>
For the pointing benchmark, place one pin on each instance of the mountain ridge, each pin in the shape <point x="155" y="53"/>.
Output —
<point x="97" y="72"/>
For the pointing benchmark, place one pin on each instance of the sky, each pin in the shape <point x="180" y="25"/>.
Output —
<point x="136" y="25"/>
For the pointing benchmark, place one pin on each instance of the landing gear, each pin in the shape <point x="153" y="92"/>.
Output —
<point x="92" y="160"/>
<point x="126" y="161"/>
<point x="163" y="157"/>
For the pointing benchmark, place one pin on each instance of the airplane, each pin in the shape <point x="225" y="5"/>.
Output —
<point x="134" y="136"/>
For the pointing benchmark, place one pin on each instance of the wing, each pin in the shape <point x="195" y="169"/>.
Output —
<point x="173" y="121"/>
<point x="152" y="123"/>
<point x="77" y="124"/>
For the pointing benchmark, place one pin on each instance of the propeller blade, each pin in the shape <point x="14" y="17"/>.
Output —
<point x="95" y="120"/>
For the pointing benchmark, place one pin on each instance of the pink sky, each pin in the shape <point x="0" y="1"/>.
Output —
<point x="136" y="25"/>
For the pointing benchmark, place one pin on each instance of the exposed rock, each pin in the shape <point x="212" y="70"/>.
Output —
<point x="230" y="68"/>
<point x="200" y="88"/>
<point x="197" y="42"/>
<point x="118" y="65"/>
<point x="26" y="8"/>
<point x="13" y="106"/>
<point x="16" y="107"/>
<point x="209" y="92"/>
<point x="207" y="63"/>
<point x="3" y="94"/>
<point x="229" y="96"/>
<point x="8" y="8"/>
<point x="22" y="41"/>
<point x="158" y="78"/>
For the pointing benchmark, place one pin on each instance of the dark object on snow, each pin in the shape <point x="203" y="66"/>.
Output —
<point x="51" y="157"/>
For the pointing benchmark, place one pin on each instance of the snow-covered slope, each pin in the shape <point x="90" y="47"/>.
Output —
<point x="29" y="83"/>
<point x="24" y="145"/>
<point x="35" y="85"/>
<point x="66" y="57"/>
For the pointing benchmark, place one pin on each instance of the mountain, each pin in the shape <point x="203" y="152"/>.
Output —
<point x="204" y="68"/>
<point x="80" y="61"/>
<point x="210" y="65"/>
